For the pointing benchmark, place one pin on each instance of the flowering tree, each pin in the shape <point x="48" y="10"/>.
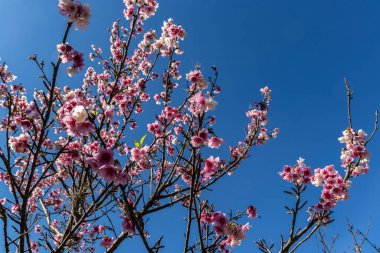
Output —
<point x="77" y="181"/>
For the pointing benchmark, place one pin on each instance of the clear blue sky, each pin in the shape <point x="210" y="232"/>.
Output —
<point x="301" y="49"/>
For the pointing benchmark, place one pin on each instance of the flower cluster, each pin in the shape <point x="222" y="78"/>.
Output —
<point x="169" y="40"/>
<point x="67" y="54"/>
<point x="257" y="133"/>
<point x="355" y="157"/>
<point x="200" y="104"/>
<point x="197" y="80"/>
<point x="334" y="187"/>
<point x="19" y="144"/>
<point x="232" y="233"/>
<point x="73" y="117"/>
<point x="211" y="168"/>
<point x="76" y="12"/>
<point x="77" y="166"/>
<point x="300" y="173"/>
<point x="5" y="75"/>
<point x="102" y="162"/>
<point x="147" y="8"/>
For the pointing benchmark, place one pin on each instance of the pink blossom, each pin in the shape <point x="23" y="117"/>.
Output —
<point x="75" y="128"/>
<point x="210" y="168"/>
<point x="206" y="218"/>
<point x="68" y="54"/>
<point x="34" y="246"/>
<point x="104" y="157"/>
<point x="201" y="138"/>
<point x="37" y="229"/>
<point x="106" y="242"/>
<point x="128" y="226"/>
<point x="138" y="153"/>
<point x="122" y="178"/>
<point x="236" y="233"/>
<point x="215" y="142"/>
<point x="297" y="174"/>
<point x="15" y="208"/>
<point x="196" y="78"/>
<point x="19" y="144"/>
<point x="108" y="172"/>
<point x="251" y="211"/>
<point x="76" y="12"/>
<point x="6" y="75"/>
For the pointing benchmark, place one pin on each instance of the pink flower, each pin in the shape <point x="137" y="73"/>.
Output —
<point x="37" y="229"/>
<point x="220" y="222"/>
<point x="297" y="174"/>
<point x="34" y="247"/>
<point x="109" y="113"/>
<point x="201" y="139"/>
<point x="19" y="144"/>
<point x="206" y="218"/>
<point x="97" y="229"/>
<point x="197" y="80"/>
<point x="67" y="54"/>
<point x="197" y="104"/>
<point x="138" y="153"/>
<point x="82" y="17"/>
<point x="108" y="172"/>
<point x="26" y="124"/>
<point x="78" y="60"/>
<point x="122" y="178"/>
<point x="334" y="187"/>
<point x="67" y="7"/>
<point x="76" y="12"/>
<point x="74" y="123"/>
<point x="236" y="233"/>
<point x="128" y="226"/>
<point x="215" y="142"/>
<point x="15" y="208"/>
<point x="93" y="163"/>
<point x="210" y="168"/>
<point x="6" y="75"/>
<point x="104" y="157"/>
<point x="251" y="211"/>
<point x="220" y="219"/>
<point x="106" y="242"/>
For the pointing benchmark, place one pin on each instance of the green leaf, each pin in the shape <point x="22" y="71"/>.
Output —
<point x="137" y="145"/>
<point x="142" y="140"/>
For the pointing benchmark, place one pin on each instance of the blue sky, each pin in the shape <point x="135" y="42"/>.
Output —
<point x="301" y="49"/>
